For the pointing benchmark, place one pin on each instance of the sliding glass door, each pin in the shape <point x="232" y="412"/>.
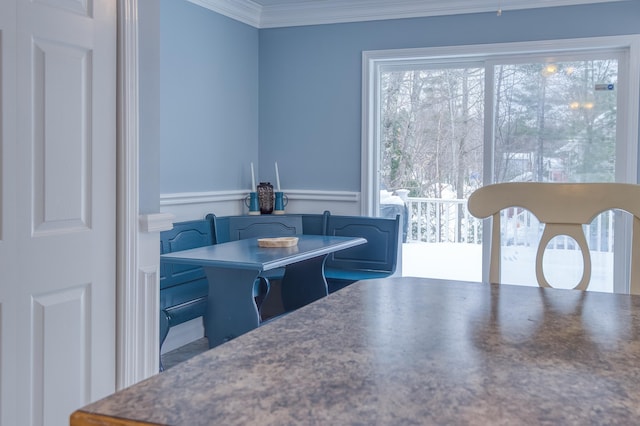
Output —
<point x="439" y="126"/>
<point x="431" y="155"/>
<point x="556" y="120"/>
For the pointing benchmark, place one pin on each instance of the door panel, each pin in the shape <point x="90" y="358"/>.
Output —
<point x="60" y="321"/>
<point x="60" y="284"/>
<point x="61" y="142"/>
<point x="556" y="121"/>
<point x="432" y="122"/>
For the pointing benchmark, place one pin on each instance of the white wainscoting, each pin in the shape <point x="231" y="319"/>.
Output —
<point x="196" y="205"/>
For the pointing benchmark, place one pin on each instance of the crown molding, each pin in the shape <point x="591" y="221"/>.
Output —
<point x="307" y="12"/>
<point x="244" y="11"/>
<point x="338" y="11"/>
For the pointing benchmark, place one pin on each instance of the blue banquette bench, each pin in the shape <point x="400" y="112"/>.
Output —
<point x="184" y="289"/>
<point x="376" y="259"/>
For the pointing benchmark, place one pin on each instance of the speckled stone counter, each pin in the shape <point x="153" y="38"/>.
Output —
<point x="402" y="351"/>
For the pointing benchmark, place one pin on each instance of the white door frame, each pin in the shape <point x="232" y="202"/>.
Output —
<point x="137" y="256"/>
<point x="127" y="189"/>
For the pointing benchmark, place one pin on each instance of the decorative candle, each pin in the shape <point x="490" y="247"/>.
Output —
<point x="253" y="179"/>
<point x="277" y="177"/>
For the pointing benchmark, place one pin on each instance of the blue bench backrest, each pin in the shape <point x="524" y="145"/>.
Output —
<point x="241" y="227"/>
<point x="315" y="224"/>
<point x="183" y="236"/>
<point x="232" y="228"/>
<point x="378" y="254"/>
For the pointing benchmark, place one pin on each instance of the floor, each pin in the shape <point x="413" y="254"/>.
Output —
<point x="271" y="307"/>
<point x="185" y="352"/>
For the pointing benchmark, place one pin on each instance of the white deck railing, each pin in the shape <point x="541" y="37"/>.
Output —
<point x="435" y="220"/>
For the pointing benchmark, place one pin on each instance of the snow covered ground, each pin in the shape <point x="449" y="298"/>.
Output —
<point x="563" y="268"/>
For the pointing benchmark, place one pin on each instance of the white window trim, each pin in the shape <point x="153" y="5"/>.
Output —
<point x="373" y="60"/>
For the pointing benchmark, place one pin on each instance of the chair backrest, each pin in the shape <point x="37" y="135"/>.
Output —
<point x="563" y="208"/>
<point x="378" y="254"/>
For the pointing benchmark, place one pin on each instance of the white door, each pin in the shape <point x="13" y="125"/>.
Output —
<point x="57" y="211"/>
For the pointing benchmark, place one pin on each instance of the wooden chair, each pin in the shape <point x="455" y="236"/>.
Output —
<point x="563" y="208"/>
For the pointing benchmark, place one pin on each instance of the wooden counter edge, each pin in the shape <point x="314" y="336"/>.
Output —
<point x="83" y="418"/>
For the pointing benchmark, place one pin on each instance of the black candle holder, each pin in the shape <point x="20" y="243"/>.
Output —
<point x="265" y="197"/>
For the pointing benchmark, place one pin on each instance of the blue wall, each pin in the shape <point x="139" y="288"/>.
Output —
<point x="208" y="100"/>
<point x="310" y="78"/>
<point x="225" y="86"/>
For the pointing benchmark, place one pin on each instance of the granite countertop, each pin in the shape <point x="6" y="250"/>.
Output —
<point x="410" y="351"/>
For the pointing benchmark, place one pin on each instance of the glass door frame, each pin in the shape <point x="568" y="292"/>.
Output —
<point x="489" y="54"/>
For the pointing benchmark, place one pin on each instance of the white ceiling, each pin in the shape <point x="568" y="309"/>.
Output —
<point x="285" y="13"/>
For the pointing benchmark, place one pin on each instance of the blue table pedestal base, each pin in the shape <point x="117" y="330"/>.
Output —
<point x="303" y="283"/>
<point x="231" y="310"/>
